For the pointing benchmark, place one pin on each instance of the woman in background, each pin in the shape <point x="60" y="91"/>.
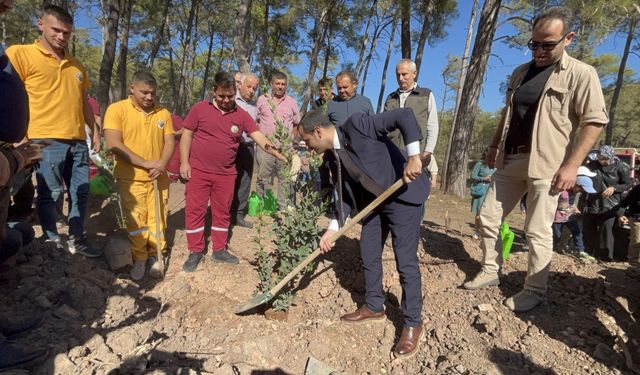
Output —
<point x="480" y="178"/>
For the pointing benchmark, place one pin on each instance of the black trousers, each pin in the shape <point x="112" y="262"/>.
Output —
<point x="403" y="221"/>
<point x="11" y="238"/>
<point x="244" y="166"/>
<point x="598" y="233"/>
<point x="22" y="201"/>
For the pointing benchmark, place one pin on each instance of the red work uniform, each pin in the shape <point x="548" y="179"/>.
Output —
<point x="212" y="158"/>
<point x="173" y="166"/>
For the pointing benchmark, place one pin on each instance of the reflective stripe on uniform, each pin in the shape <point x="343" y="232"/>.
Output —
<point x="138" y="231"/>
<point x="189" y="231"/>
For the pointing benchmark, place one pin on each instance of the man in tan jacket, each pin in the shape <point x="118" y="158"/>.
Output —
<point x="554" y="113"/>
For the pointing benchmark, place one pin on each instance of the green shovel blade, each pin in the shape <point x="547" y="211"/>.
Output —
<point x="253" y="302"/>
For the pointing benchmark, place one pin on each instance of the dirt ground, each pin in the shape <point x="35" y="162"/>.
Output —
<point x="98" y="322"/>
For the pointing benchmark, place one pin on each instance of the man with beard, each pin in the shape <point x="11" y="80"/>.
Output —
<point x="140" y="134"/>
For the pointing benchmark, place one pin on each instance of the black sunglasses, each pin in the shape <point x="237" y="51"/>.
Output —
<point x="546" y="46"/>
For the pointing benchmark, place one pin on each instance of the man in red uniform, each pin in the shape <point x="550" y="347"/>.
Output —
<point x="208" y="148"/>
<point x="173" y="167"/>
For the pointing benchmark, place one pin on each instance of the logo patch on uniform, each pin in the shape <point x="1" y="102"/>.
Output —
<point x="160" y="123"/>
<point x="234" y="128"/>
<point x="79" y="77"/>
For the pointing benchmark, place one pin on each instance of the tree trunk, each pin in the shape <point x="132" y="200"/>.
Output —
<point x="457" y="169"/>
<point x="422" y="41"/>
<point x="239" y="41"/>
<point x="327" y="50"/>
<point x="616" y="92"/>
<point x="463" y="73"/>
<point x="172" y="72"/>
<point x="121" y="88"/>
<point x="405" y="29"/>
<point x="365" y="42"/>
<point x="318" y="35"/>
<point x="110" y="35"/>
<point x="262" y="57"/>
<point x="220" y="53"/>
<point x="207" y="66"/>
<point x="186" y="45"/>
<point x="191" y="71"/>
<point x="374" y="43"/>
<point x="157" y="41"/>
<point x="383" y="84"/>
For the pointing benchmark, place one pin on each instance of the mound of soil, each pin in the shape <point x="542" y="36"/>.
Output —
<point x="98" y="322"/>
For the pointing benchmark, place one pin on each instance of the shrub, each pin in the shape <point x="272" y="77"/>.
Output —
<point x="294" y="230"/>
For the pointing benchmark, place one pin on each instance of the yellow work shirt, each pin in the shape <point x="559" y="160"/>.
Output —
<point x="141" y="133"/>
<point x="56" y="91"/>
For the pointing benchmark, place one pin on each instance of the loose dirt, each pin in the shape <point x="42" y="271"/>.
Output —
<point x="98" y="322"/>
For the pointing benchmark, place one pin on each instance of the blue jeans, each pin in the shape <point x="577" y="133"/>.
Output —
<point x="65" y="162"/>
<point x="576" y="232"/>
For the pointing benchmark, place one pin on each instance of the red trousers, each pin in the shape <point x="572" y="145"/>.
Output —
<point x="203" y="188"/>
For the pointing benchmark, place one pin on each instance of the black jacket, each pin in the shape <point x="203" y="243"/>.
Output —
<point x="615" y="175"/>
<point x="631" y="202"/>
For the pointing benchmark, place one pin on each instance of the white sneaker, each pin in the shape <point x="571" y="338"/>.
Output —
<point x="137" y="271"/>
<point x="155" y="267"/>
<point x="58" y="243"/>
<point x="482" y="280"/>
<point x="524" y="300"/>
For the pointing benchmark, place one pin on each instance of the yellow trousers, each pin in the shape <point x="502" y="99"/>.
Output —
<point x="137" y="198"/>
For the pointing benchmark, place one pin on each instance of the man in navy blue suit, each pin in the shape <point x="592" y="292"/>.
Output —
<point x="367" y="164"/>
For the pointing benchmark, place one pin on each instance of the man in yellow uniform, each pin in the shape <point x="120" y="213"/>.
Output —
<point x="140" y="134"/>
<point x="57" y="86"/>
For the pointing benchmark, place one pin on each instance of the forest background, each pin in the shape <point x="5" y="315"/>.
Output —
<point x="184" y="42"/>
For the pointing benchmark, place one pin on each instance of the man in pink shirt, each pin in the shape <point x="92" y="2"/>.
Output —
<point x="208" y="148"/>
<point x="271" y="107"/>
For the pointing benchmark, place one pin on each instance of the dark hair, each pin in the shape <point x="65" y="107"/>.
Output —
<point x="556" y="13"/>
<point x="349" y="74"/>
<point x="224" y="80"/>
<point x="59" y="13"/>
<point x="325" y="82"/>
<point x="312" y="119"/>
<point x="278" y="75"/>
<point x="144" y="77"/>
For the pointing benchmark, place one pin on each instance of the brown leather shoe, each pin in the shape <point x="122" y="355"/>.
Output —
<point x="409" y="342"/>
<point x="363" y="314"/>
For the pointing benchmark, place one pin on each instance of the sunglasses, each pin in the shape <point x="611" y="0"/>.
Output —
<point x="546" y="46"/>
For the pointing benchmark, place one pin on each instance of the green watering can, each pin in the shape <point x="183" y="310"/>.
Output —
<point x="507" y="237"/>
<point x="256" y="205"/>
<point x="99" y="185"/>
<point x="270" y="206"/>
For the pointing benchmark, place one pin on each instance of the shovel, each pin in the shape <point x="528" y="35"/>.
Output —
<point x="156" y="201"/>
<point x="265" y="297"/>
<point x="117" y="251"/>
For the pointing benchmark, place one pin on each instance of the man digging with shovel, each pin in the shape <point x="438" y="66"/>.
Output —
<point x="140" y="134"/>
<point x="366" y="164"/>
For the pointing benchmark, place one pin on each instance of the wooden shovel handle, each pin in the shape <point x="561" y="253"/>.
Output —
<point x="373" y="205"/>
<point x="156" y="201"/>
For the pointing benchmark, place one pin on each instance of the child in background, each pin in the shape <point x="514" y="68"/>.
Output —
<point x="303" y="153"/>
<point x="566" y="215"/>
<point x="584" y="185"/>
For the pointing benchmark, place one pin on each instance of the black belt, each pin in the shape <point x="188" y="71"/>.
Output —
<point x="517" y="150"/>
